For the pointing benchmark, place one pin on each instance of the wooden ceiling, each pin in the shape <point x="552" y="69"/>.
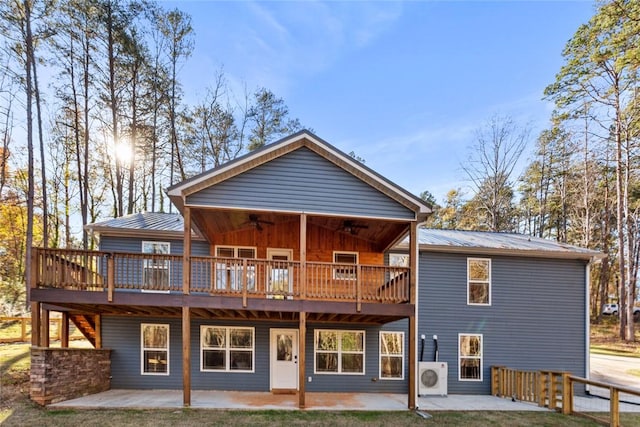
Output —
<point x="377" y="231"/>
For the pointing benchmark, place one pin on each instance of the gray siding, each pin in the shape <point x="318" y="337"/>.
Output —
<point x="536" y="320"/>
<point x="131" y="270"/>
<point x="301" y="181"/>
<point x="134" y="245"/>
<point x="122" y="335"/>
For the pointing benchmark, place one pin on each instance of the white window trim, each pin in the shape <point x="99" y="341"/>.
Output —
<point x="481" y="357"/>
<point x="335" y="269"/>
<point x="235" y="250"/>
<point x="143" y="348"/>
<point x="221" y="265"/>
<point x="391" y="355"/>
<point x="339" y="351"/>
<point x="227" y="349"/>
<point x="154" y="291"/>
<point x="488" y="282"/>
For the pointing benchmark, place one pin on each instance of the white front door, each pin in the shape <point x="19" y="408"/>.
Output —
<point x="279" y="277"/>
<point x="284" y="359"/>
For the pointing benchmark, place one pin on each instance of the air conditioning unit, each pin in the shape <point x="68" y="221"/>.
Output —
<point x="432" y="378"/>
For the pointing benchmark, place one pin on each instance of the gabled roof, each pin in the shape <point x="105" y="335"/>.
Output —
<point x="142" y="224"/>
<point x="484" y="242"/>
<point x="178" y="192"/>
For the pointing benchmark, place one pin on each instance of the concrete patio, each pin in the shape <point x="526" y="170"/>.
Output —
<point x="235" y="400"/>
<point x="148" y="399"/>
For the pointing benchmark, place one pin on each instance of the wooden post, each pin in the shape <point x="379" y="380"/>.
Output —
<point x="494" y="380"/>
<point x="97" y="319"/>
<point x="186" y="252"/>
<point x="358" y="288"/>
<point x="186" y="356"/>
<point x="35" y="324"/>
<point x="44" y="324"/>
<point x="111" y="277"/>
<point x="303" y="256"/>
<point x="542" y="389"/>
<point x="64" y="330"/>
<point x="302" y="352"/>
<point x="244" y="282"/>
<point x="413" y="331"/>
<point x="23" y="332"/>
<point x="567" y="394"/>
<point x="614" y="406"/>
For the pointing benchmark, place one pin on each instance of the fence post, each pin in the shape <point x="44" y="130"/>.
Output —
<point x="542" y="389"/>
<point x="567" y="394"/>
<point x="494" y="381"/>
<point x="614" y="406"/>
<point x="23" y="334"/>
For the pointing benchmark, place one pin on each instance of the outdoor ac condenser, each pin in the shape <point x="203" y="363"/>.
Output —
<point x="432" y="378"/>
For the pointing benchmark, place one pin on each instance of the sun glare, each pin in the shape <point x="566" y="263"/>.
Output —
<point x="123" y="153"/>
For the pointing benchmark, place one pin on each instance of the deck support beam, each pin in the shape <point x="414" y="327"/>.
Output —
<point x="97" y="320"/>
<point x="44" y="328"/>
<point x="302" y="339"/>
<point x="64" y="330"/>
<point x="186" y="356"/>
<point x="35" y="324"/>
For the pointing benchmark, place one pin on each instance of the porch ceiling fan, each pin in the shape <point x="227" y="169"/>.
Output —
<point x="256" y="222"/>
<point x="351" y="227"/>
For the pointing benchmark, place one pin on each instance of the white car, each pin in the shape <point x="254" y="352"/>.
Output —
<point x="610" y="309"/>
<point x="613" y="309"/>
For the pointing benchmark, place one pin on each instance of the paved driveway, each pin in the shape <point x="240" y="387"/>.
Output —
<point x="614" y="370"/>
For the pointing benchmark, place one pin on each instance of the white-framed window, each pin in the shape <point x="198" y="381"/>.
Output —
<point x="155" y="272"/>
<point x="227" y="348"/>
<point x="154" y="349"/>
<point x="478" y="281"/>
<point x="347" y="269"/>
<point x="391" y="355"/>
<point x="339" y="352"/>
<point x="398" y="260"/>
<point x="470" y="357"/>
<point x="229" y="272"/>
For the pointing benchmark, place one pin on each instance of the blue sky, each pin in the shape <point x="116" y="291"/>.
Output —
<point x="403" y="84"/>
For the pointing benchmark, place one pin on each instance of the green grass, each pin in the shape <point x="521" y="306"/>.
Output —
<point x="14" y="357"/>
<point x="29" y="414"/>
<point x="610" y="351"/>
<point x="634" y="372"/>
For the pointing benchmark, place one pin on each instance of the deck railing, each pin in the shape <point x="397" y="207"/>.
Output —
<point x="557" y="391"/>
<point x="119" y="271"/>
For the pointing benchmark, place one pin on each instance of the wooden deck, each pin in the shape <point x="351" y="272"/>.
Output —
<point x="151" y="284"/>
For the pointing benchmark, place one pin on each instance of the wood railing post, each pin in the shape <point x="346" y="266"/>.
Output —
<point x="23" y="332"/>
<point x="111" y="276"/>
<point x="186" y="252"/>
<point x="614" y="396"/>
<point x="358" y="288"/>
<point x="552" y="391"/>
<point x="542" y="389"/>
<point x="245" y="272"/>
<point x="567" y="394"/>
<point x="494" y="381"/>
<point x="303" y="256"/>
